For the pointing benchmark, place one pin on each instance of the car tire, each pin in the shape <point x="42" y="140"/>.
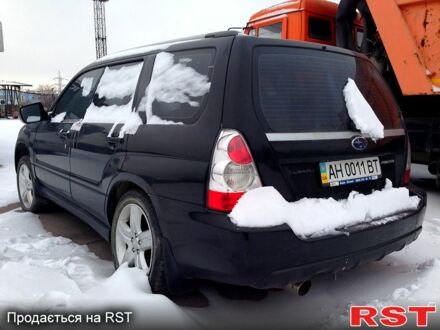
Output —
<point x="134" y="225"/>
<point x="30" y="200"/>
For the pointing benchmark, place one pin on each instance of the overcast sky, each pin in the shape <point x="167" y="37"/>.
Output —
<point x="44" y="36"/>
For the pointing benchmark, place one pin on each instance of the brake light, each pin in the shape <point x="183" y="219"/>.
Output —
<point x="233" y="172"/>
<point x="407" y="173"/>
<point x="238" y="151"/>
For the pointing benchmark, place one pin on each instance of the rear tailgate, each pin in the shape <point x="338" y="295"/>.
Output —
<point x="298" y="97"/>
<point x="287" y="100"/>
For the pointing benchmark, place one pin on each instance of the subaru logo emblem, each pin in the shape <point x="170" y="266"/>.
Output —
<point x="359" y="143"/>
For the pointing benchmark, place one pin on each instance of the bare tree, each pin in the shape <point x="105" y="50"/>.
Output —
<point x="47" y="95"/>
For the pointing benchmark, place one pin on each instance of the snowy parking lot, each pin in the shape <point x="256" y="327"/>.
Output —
<point x="43" y="271"/>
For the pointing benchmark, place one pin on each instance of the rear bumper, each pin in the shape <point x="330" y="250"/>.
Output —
<point x="207" y="245"/>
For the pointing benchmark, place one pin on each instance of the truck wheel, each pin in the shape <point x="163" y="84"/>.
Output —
<point x="136" y="239"/>
<point x="30" y="200"/>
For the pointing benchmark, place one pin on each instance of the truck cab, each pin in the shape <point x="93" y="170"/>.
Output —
<point x="307" y="20"/>
<point x="409" y="63"/>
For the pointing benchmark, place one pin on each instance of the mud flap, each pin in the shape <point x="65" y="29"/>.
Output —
<point x="176" y="282"/>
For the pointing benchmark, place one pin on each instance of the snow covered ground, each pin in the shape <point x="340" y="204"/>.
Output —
<point x="8" y="135"/>
<point x="45" y="273"/>
<point x="39" y="271"/>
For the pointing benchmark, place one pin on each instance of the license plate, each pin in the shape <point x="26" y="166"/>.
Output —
<point x="344" y="172"/>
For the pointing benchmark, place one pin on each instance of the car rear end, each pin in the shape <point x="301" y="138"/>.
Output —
<point x="285" y="124"/>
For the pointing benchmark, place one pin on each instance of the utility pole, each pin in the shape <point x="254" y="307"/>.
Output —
<point x="2" y="49"/>
<point x="59" y="82"/>
<point x="100" y="30"/>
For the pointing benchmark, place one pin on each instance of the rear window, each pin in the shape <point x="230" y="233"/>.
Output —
<point x="301" y="90"/>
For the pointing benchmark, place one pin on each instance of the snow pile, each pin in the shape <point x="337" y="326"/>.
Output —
<point x="58" y="118"/>
<point x="53" y="273"/>
<point x="172" y="83"/>
<point x="86" y="85"/>
<point x="119" y="83"/>
<point x="129" y="287"/>
<point x="8" y="136"/>
<point x="361" y="112"/>
<point x="311" y="217"/>
<point x="76" y="126"/>
<point x="40" y="263"/>
<point x="116" y="83"/>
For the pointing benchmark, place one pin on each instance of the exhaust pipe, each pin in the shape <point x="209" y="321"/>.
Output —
<point x="300" y="288"/>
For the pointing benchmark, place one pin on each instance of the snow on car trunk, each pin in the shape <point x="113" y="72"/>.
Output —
<point x="315" y="217"/>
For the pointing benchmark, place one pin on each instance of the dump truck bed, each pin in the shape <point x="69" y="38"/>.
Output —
<point x="410" y="32"/>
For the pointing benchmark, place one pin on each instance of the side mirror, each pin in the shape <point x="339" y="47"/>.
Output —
<point x="33" y="113"/>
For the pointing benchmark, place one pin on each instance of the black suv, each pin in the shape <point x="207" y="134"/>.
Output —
<point x="153" y="147"/>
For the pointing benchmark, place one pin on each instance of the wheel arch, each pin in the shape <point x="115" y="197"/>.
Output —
<point x="121" y="184"/>
<point x="124" y="182"/>
<point x="20" y="150"/>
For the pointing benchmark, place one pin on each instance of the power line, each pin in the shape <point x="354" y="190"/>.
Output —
<point x="59" y="82"/>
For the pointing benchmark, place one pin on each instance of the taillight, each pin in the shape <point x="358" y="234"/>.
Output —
<point x="233" y="171"/>
<point x="238" y="151"/>
<point x="407" y="173"/>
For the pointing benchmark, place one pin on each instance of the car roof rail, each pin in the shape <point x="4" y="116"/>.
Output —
<point x="221" y="34"/>
<point x="137" y="51"/>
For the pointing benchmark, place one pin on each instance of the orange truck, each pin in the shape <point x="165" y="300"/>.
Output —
<point x="406" y="48"/>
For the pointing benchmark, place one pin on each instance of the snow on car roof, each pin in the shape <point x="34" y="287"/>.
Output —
<point x="164" y="45"/>
<point x="145" y="49"/>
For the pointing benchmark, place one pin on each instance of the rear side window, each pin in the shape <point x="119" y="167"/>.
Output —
<point x="271" y="31"/>
<point x="301" y="90"/>
<point x="179" y="87"/>
<point x="78" y="96"/>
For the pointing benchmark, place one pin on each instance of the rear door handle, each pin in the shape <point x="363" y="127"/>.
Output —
<point x="114" y="140"/>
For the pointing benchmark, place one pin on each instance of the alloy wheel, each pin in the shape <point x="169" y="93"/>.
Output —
<point x="134" y="238"/>
<point x="25" y="186"/>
